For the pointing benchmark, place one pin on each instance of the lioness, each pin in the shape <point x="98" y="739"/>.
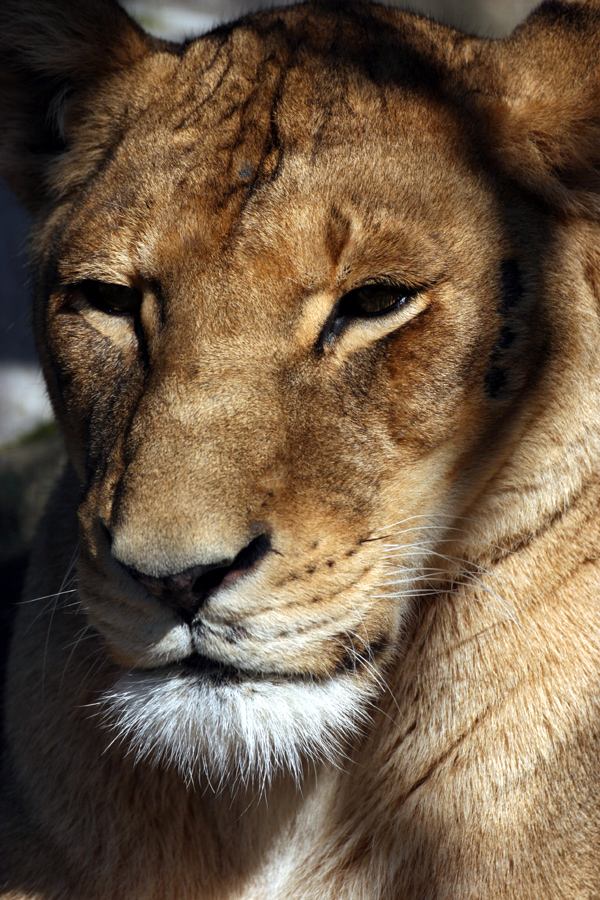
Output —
<point x="315" y="609"/>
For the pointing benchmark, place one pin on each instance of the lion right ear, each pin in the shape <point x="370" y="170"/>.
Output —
<point x="544" y="122"/>
<point x="52" y="53"/>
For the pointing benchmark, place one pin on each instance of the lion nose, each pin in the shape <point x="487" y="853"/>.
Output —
<point x="187" y="591"/>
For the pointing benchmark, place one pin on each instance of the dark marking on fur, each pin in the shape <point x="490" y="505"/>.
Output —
<point x="349" y="659"/>
<point x="358" y="653"/>
<point x="379" y="646"/>
<point x="235" y="633"/>
<point x="512" y="286"/>
<point x="283" y="581"/>
<point x="506" y="339"/>
<point x="451" y="754"/>
<point x="511" y="299"/>
<point x="495" y="382"/>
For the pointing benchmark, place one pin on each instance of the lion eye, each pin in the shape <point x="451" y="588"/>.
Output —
<point x="113" y="299"/>
<point x="373" y="300"/>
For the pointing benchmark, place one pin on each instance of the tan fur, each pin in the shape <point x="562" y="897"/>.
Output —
<point x="427" y="479"/>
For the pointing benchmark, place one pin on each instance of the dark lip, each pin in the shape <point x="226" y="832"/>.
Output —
<point x="221" y="673"/>
<point x="210" y="668"/>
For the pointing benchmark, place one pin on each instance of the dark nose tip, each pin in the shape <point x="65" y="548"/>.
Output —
<point x="186" y="592"/>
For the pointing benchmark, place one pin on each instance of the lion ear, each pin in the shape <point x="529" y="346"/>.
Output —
<point x="546" y="128"/>
<point x="51" y="53"/>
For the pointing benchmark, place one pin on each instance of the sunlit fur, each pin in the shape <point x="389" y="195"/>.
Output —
<point x="313" y="611"/>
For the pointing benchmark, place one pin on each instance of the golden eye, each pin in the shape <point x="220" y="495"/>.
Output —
<point x="112" y="299"/>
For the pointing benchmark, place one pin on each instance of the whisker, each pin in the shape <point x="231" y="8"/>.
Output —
<point x="72" y="562"/>
<point x="96" y="665"/>
<point x="46" y="597"/>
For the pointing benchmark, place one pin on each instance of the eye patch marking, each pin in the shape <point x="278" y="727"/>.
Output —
<point x="504" y="354"/>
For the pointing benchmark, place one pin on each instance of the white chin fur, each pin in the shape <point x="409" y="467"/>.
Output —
<point x="235" y="732"/>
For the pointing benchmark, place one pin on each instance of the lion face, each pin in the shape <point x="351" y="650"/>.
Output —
<point x="283" y="323"/>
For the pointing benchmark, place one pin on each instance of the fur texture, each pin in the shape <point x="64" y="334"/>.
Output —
<point x="313" y="611"/>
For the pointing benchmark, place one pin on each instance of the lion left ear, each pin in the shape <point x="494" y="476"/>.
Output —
<point x="545" y="124"/>
<point x="51" y="53"/>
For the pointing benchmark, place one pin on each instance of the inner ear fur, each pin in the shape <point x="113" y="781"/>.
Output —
<point x="545" y="124"/>
<point x="51" y="53"/>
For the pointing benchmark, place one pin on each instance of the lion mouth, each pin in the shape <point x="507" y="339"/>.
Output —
<point x="217" y="673"/>
<point x="210" y="669"/>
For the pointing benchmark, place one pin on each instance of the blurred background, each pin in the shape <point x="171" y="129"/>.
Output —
<point x="30" y="449"/>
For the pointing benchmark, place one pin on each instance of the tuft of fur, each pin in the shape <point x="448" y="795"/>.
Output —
<point x="243" y="733"/>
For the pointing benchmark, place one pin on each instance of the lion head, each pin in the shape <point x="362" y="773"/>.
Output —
<point x="293" y="316"/>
